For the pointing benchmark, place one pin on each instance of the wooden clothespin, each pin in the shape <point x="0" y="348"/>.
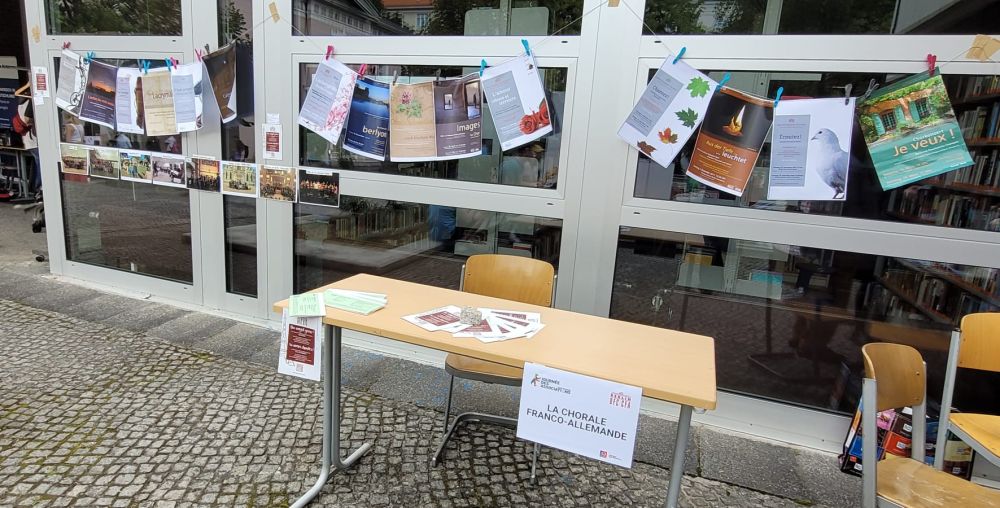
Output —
<point x="931" y="63"/>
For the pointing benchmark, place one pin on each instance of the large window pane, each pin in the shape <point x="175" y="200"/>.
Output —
<point x="436" y="17"/>
<point x="410" y="241"/>
<point x="789" y="321"/>
<point x="968" y="198"/>
<point x="241" y="244"/>
<point x="533" y="165"/>
<point x="114" y="17"/>
<point x="819" y="17"/>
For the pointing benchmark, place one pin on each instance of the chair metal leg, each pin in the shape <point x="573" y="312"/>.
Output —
<point x="447" y="407"/>
<point x="534" y="461"/>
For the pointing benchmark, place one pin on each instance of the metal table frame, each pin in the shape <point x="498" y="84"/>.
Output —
<point x="331" y="427"/>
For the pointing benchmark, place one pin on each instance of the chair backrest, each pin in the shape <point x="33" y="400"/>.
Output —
<point x="980" y="346"/>
<point x="900" y="373"/>
<point x="515" y="278"/>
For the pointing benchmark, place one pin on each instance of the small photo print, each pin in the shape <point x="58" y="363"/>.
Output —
<point x="204" y="174"/>
<point x="168" y="169"/>
<point x="277" y="183"/>
<point x="104" y="163"/>
<point x="449" y="102"/>
<point x="239" y="178"/>
<point x="75" y="159"/>
<point x="135" y="166"/>
<point x="317" y="187"/>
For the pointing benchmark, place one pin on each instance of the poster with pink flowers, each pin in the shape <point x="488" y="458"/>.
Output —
<point x="436" y="120"/>
<point x="516" y="101"/>
<point x="328" y="101"/>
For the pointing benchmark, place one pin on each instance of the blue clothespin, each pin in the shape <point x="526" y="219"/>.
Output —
<point x="777" y="96"/>
<point x="527" y="50"/>
<point x="145" y="66"/>
<point x="169" y="63"/>
<point x="723" y="81"/>
<point x="680" y="54"/>
<point x="482" y="67"/>
<point x="90" y="56"/>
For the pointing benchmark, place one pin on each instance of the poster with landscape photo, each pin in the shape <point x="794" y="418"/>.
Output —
<point x="98" y="104"/>
<point x="105" y="162"/>
<point x="516" y="101"/>
<point x="319" y="187"/>
<point x="368" y="123"/>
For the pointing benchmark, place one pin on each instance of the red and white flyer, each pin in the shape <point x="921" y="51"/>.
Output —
<point x="442" y="318"/>
<point x="301" y="349"/>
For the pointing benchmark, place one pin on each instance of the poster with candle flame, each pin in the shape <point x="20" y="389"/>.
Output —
<point x="730" y="140"/>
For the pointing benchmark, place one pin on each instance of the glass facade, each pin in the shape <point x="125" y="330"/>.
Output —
<point x="415" y="242"/>
<point x="533" y="165"/>
<point x="789" y="321"/>
<point x="968" y="198"/>
<point x="114" y="17"/>
<point x="240" y="216"/>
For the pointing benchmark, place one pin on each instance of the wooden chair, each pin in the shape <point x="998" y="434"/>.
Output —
<point x="976" y="345"/>
<point x="513" y="278"/>
<point x="895" y="376"/>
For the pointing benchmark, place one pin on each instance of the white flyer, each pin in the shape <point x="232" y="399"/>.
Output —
<point x="300" y="352"/>
<point x="441" y="318"/>
<point x="328" y="101"/>
<point x="128" y="104"/>
<point x="72" y="80"/>
<point x="811" y="150"/>
<point x="186" y="83"/>
<point x="516" y="101"/>
<point x="669" y="110"/>
<point x="580" y="414"/>
<point x="40" y="84"/>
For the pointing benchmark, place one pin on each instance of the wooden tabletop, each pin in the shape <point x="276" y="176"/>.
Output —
<point x="668" y="365"/>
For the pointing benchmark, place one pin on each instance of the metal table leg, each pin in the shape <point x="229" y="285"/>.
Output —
<point x="677" y="469"/>
<point x="331" y="416"/>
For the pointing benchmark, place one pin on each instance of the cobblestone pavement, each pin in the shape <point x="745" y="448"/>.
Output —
<point x="92" y="415"/>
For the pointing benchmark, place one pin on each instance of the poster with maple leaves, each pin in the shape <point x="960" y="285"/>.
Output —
<point x="669" y="110"/>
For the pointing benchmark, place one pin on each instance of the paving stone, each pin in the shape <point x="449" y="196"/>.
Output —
<point x="240" y="341"/>
<point x="191" y="328"/>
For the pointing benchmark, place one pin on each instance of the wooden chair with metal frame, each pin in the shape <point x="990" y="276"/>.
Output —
<point x="976" y="345"/>
<point x="515" y="278"/>
<point x="895" y="377"/>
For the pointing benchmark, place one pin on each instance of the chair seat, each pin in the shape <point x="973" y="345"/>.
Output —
<point x="480" y="370"/>
<point x="985" y="429"/>
<point x="909" y="483"/>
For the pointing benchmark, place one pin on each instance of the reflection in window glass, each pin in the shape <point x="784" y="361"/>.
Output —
<point x="114" y="17"/>
<point x="789" y="321"/>
<point x="667" y="17"/>
<point x="240" y="214"/>
<point x="968" y="198"/>
<point x="436" y="17"/>
<point x="415" y="242"/>
<point x="533" y="165"/>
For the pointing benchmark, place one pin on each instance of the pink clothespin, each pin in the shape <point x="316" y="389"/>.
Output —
<point x="198" y="53"/>
<point x="65" y="45"/>
<point x="361" y="71"/>
<point x="931" y="63"/>
<point x="175" y="62"/>
<point x="329" y="51"/>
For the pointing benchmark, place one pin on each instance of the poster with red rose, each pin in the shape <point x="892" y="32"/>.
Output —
<point x="516" y="100"/>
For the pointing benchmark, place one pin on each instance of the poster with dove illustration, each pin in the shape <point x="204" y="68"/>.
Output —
<point x="811" y="150"/>
<point x="669" y="110"/>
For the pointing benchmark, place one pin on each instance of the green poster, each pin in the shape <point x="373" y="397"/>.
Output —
<point x="911" y="131"/>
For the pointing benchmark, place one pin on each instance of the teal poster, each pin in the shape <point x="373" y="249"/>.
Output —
<point x="911" y="131"/>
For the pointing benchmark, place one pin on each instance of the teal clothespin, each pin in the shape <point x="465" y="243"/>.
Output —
<point x="723" y="81"/>
<point x="680" y="54"/>
<point x="168" y="62"/>
<point x="89" y="57"/>
<point x="527" y="50"/>
<point x="145" y="66"/>
<point x="482" y="67"/>
<point x="777" y="96"/>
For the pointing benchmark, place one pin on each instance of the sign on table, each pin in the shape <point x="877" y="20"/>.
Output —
<point x="579" y="414"/>
<point x="301" y="346"/>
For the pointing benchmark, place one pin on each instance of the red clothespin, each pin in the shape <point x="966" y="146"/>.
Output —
<point x="361" y="71"/>
<point x="931" y="63"/>
<point x="65" y="45"/>
<point x="329" y="52"/>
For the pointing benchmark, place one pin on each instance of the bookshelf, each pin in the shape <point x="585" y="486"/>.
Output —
<point x="938" y="292"/>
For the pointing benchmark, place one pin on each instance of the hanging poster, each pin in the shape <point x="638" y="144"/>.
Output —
<point x="811" y="150"/>
<point x="135" y="166"/>
<point x="105" y="163"/>
<point x="168" y="169"/>
<point x="221" y="68"/>
<point x="158" y="103"/>
<point x="669" y="110"/>
<point x="368" y="121"/>
<point x="301" y="346"/>
<point x="328" y="101"/>
<point x="128" y="101"/>
<point x="185" y="82"/>
<point x="458" y="117"/>
<point x="319" y="187"/>
<point x="277" y="183"/>
<point x="72" y="80"/>
<point x="74" y="159"/>
<point x="204" y="174"/>
<point x="239" y="178"/>
<point x="730" y="139"/>
<point x="411" y="121"/>
<point x="98" y="103"/>
<point x="516" y="101"/>
<point x="911" y="132"/>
